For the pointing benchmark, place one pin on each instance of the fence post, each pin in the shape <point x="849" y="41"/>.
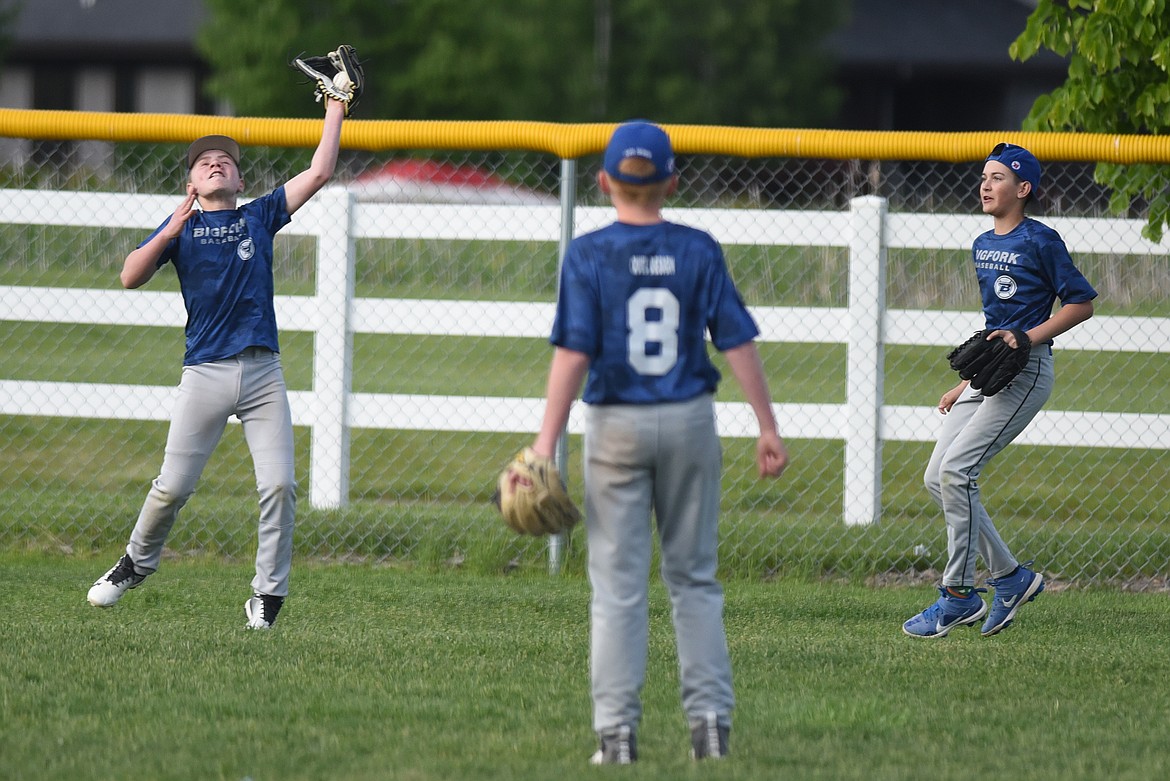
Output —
<point x="865" y="362"/>
<point x="332" y="351"/>
<point x="556" y="542"/>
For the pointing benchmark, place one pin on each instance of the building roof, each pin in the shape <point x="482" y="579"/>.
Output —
<point x="928" y="33"/>
<point x="106" y="29"/>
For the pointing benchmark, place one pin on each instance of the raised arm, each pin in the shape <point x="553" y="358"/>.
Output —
<point x="303" y="186"/>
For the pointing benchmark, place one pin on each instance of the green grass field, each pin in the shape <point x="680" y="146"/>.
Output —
<point x="798" y="373"/>
<point x="423" y="641"/>
<point x="418" y="674"/>
<point x="423" y="496"/>
<point x="767" y="275"/>
<point x="76" y="486"/>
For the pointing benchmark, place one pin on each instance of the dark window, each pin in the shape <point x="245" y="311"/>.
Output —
<point x="54" y="88"/>
<point x="124" y="84"/>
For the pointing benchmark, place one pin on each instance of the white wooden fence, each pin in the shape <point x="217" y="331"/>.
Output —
<point x="334" y="315"/>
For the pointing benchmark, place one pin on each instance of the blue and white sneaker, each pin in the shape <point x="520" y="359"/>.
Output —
<point x="1011" y="592"/>
<point x="947" y="613"/>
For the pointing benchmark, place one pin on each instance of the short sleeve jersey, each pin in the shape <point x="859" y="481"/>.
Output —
<point x="1022" y="273"/>
<point x="224" y="262"/>
<point x="639" y="301"/>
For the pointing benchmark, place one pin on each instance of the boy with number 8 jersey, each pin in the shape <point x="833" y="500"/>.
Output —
<point x="637" y="300"/>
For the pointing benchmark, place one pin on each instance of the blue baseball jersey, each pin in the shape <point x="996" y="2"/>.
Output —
<point x="640" y="300"/>
<point x="224" y="262"/>
<point x="1022" y="273"/>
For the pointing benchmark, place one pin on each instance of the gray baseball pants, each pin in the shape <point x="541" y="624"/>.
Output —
<point x="666" y="458"/>
<point x="250" y="386"/>
<point x="976" y="429"/>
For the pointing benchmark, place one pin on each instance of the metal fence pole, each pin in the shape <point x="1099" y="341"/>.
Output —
<point x="557" y="542"/>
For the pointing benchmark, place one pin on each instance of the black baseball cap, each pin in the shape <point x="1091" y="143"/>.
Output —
<point x="222" y="143"/>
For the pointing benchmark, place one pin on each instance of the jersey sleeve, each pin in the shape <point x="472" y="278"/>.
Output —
<point x="729" y="322"/>
<point x="1068" y="282"/>
<point x="576" y="323"/>
<point x="271" y="209"/>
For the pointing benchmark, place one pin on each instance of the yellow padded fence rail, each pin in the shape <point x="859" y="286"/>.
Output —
<point x="570" y="141"/>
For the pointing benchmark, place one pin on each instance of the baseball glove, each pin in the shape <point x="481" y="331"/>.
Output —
<point x="336" y="75"/>
<point x="990" y="365"/>
<point x="532" y="498"/>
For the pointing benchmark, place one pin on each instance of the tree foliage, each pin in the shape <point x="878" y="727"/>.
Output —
<point x="1118" y="82"/>
<point x="744" y="62"/>
<point x="757" y="63"/>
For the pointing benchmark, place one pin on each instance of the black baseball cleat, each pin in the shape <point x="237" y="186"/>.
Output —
<point x="261" y="610"/>
<point x="709" y="737"/>
<point x="618" y="747"/>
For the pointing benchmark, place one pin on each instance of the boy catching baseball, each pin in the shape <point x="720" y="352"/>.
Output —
<point x="223" y="257"/>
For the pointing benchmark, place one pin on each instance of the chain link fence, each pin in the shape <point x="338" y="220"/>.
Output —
<point x="441" y="393"/>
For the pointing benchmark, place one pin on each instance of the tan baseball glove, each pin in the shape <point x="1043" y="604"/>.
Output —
<point x="532" y="498"/>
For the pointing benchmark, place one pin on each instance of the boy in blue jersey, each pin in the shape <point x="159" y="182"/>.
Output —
<point x="1022" y="267"/>
<point x="636" y="301"/>
<point x="223" y="257"/>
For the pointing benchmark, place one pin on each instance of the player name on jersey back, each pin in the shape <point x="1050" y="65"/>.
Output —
<point x="652" y="265"/>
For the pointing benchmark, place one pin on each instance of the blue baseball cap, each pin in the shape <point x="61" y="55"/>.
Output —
<point x="1022" y="162"/>
<point x="639" y="139"/>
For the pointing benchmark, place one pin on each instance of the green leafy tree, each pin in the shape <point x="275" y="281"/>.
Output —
<point x="759" y="63"/>
<point x="248" y="46"/>
<point x="423" y="59"/>
<point x="1118" y="82"/>
<point x="487" y="60"/>
<point x="754" y="62"/>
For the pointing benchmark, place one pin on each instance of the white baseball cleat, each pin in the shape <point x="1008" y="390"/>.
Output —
<point x="110" y="587"/>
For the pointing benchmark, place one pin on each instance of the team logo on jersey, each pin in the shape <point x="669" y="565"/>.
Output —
<point x="246" y="249"/>
<point x="1005" y="287"/>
